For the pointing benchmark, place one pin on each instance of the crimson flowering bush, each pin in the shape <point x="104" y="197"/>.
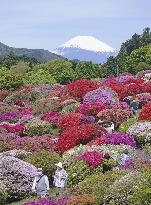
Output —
<point x="97" y="142"/>
<point x="104" y="95"/>
<point x="69" y="120"/>
<point x="79" y="88"/>
<point x="92" y="158"/>
<point x="145" y="113"/>
<point x="76" y="135"/>
<point x="118" y="138"/>
<point x="117" y="116"/>
<point x="91" y="108"/>
<point x="14" y="128"/>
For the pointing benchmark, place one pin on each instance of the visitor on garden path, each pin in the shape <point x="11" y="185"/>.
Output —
<point x="109" y="126"/>
<point x="41" y="184"/>
<point x="134" y="106"/>
<point x="60" y="178"/>
<point x="124" y="157"/>
<point x="127" y="100"/>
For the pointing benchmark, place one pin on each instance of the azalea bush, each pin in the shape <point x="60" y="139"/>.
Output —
<point x="38" y="127"/>
<point x="79" y="88"/>
<point x="114" y="151"/>
<point x="44" y="105"/>
<point x="81" y="134"/>
<point x="32" y="144"/>
<point x="118" y="138"/>
<point x="69" y="120"/>
<point x="145" y="113"/>
<point x="92" y="158"/>
<point x="5" y="140"/>
<point x="104" y="95"/>
<point x="17" y="176"/>
<point x="17" y="128"/>
<point x="8" y="116"/>
<point x="91" y="108"/>
<point x="42" y="201"/>
<point x="141" y="131"/>
<point x="21" y="154"/>
<point x="96" y="184"/>
<point x="121" y="190"/>
<point x="50" y="117"/>
<point x="82" y="200"/>
<point x="117" y="116"/>
<point x="46" y="160"/>
<point x="79" y="170"/>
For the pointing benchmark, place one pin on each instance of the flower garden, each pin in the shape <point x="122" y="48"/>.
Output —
<point x="42" y="125"/>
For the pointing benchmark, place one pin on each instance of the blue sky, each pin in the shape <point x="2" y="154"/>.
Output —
<point x="49" y="23"/>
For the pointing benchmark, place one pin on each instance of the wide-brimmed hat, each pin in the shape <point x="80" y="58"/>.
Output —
<point x="59" y="164"/>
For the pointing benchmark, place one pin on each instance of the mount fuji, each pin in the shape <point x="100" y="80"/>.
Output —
<point x="85" y="48"/>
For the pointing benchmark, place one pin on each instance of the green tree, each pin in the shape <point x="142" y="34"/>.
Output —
<point x="87" y="70"/>
<point x="21" y="68"/>
<point x="39" y="77"/>
<point x="9" y="80"/>
<point x="136" y="58"/>
<point x="61" y="70"/>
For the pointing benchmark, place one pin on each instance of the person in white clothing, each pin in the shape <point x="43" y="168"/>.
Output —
<point x="60" y="178"/>
<point x="124" y="157"/>
<point x="41" y="184"/>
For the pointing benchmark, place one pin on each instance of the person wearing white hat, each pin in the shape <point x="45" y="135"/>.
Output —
<point x="41" y="184"/>
<point x="60" y="178"/>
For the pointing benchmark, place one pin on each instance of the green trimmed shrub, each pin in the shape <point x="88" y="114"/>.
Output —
<point x="3" y="193"/>
<point x="97" y="185"/>
<point x="46" y="160"/>
<point x="38" y="127"/>
<point x="78" y="171"/>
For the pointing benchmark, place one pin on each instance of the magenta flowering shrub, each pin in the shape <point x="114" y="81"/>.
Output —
<point x="50" y="117"/>
<point x="104" y="95"/>
<point x="92" y="158"/>
<point x="43" y="201"/>
<point x="17" y="176"/>
<point x="118" y="138"/>
<point x="91" y="108"/>
<point x="6" y="116"/>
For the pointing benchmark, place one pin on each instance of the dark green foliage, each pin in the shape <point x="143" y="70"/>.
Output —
<point x="88" y="70"/>
<point x="39" y="54"/>
<point x="11" y="60"/>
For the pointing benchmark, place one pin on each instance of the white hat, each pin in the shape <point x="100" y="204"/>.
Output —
<point x="39" y="169"/>
<point x="59" y="165"/>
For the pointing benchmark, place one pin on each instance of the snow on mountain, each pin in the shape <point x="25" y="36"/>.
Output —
<point x="85" y="48"/>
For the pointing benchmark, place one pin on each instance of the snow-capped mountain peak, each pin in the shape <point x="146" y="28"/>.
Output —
<point x="88" y="43"/>
<point x="85" y="48"/>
